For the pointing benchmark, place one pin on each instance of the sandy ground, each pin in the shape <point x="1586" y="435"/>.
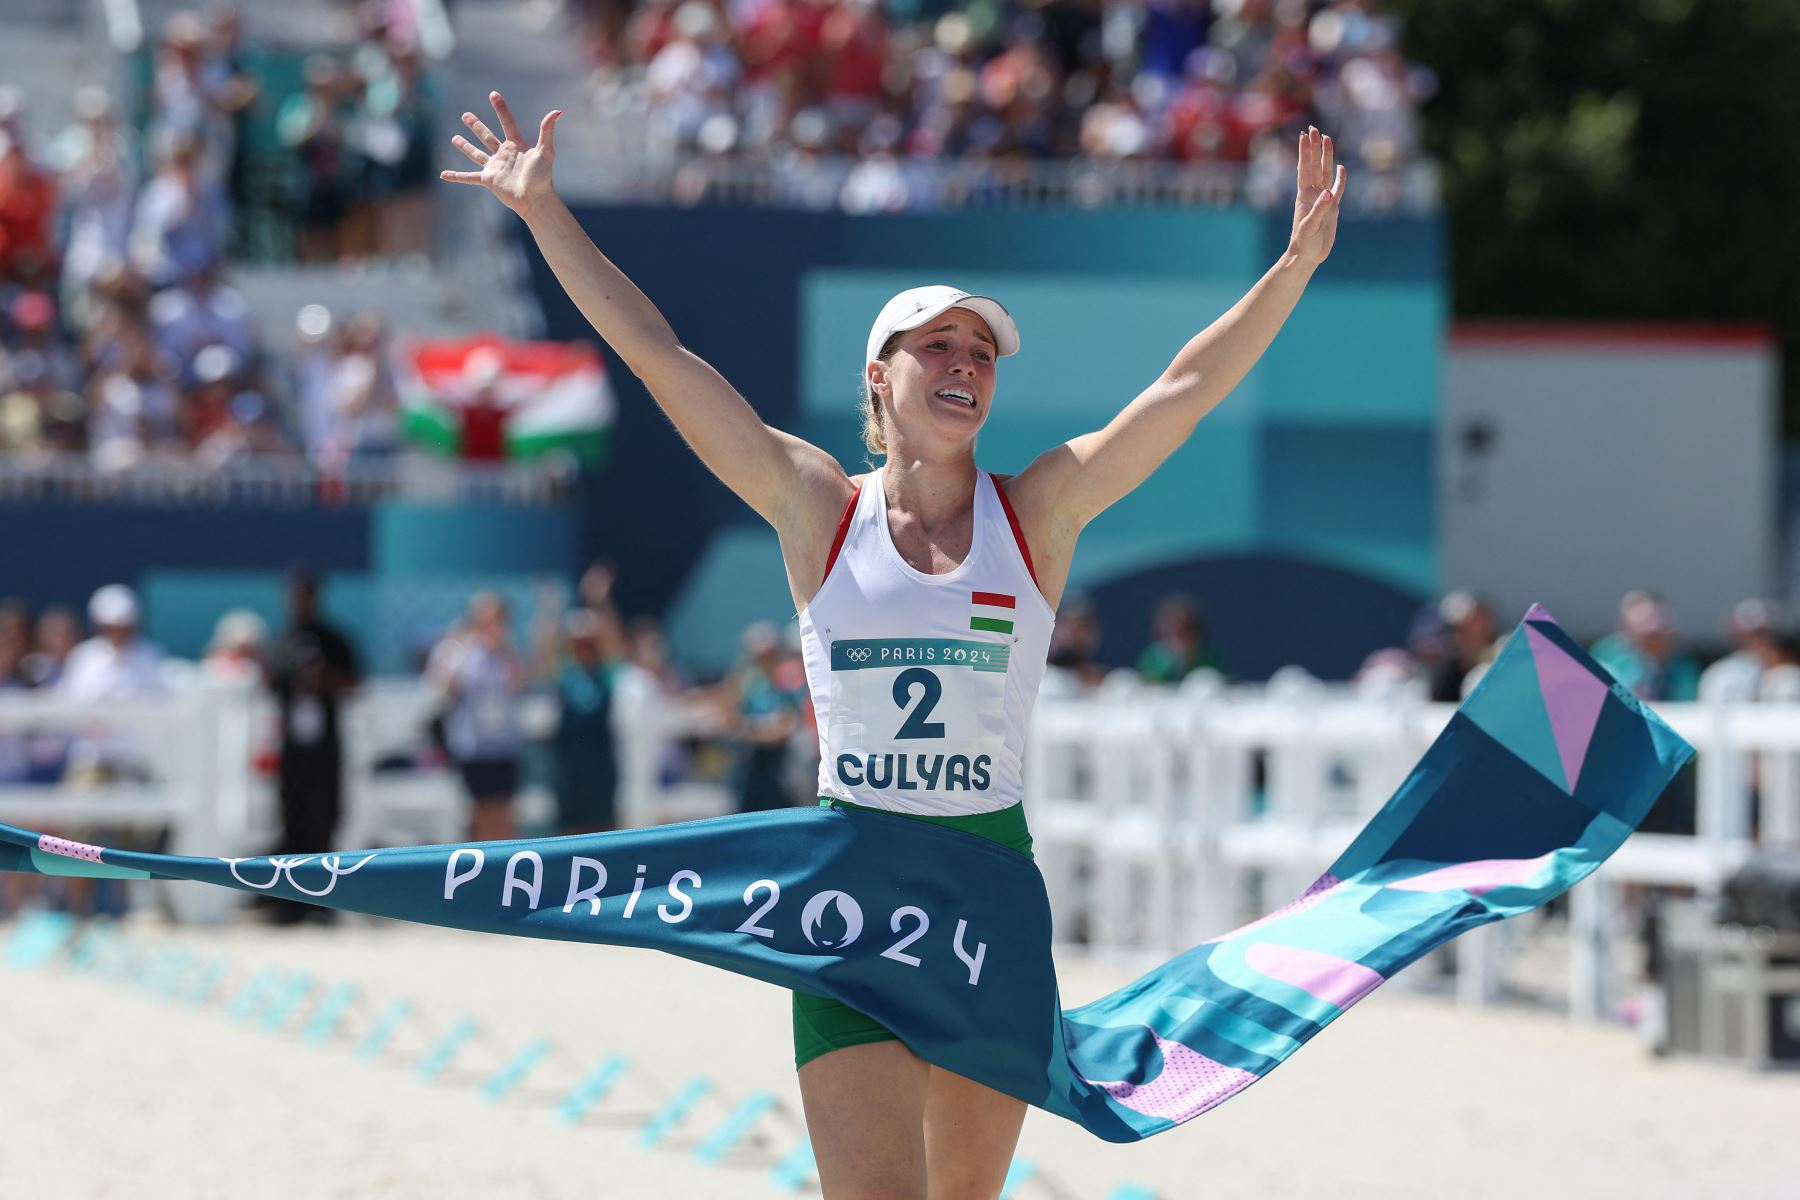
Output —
<point x="110" y="1090"/>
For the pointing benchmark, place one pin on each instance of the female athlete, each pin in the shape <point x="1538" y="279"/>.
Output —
<point x="926" y="591"/>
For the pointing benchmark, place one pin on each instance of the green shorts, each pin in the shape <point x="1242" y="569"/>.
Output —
<point x="822" y="1025"/>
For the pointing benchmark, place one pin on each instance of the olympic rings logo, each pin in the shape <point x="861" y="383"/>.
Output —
<point x="284" y="867"/>
<point x="858" y="653"/>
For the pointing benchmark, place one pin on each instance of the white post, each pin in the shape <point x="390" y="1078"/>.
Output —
<point x="1589" y="962"/>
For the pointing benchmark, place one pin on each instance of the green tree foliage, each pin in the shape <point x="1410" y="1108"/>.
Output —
<point x="1620" y="158"/>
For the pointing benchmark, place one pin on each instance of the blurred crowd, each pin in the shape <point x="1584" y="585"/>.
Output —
<point x="120" y="336"/>
<point x="1455" y="640"/>
<point x="844" y="95"/>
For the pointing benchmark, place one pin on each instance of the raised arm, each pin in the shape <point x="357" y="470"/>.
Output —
<point x="1068" y="486"/>
<point x="791" y="483"/>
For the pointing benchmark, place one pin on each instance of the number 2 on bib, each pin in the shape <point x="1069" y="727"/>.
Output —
<point x="915" y="725"/>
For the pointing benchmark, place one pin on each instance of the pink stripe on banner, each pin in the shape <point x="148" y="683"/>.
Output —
<point x="1475" y="878"/>
<point x="1572" y="697"/>
<point x="1324" y="976"/>
<point x="1188" y="1085"/>
<point x="68" y="849"/>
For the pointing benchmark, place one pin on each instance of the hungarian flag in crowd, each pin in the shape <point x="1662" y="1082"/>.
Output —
<point x="485" y="397"/>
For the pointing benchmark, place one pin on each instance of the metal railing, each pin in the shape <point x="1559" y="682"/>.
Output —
<point x="827" y="182"/>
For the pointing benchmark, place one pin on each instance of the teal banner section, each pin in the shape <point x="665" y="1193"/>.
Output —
<point x="944" y="937"/>
<point x="873" y="654"/>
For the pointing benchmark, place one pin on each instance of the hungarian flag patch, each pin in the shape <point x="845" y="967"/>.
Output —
<point x="992" y="612"/>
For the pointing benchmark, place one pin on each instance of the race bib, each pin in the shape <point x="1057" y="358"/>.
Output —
<point x="918" y="714"/>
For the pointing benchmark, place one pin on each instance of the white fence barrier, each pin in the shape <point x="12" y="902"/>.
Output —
<point x="191" y="766"/>
<point x="1155" y="836"/>
<point x="1151" y="822"/>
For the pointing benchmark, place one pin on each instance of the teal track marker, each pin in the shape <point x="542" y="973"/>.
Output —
<point x="439" y="1056"/>
<point x="674" y="1112"/>
<point x="386" y="1025"/>
<point x="292" y="995"/>
<point x="1131" y="1191"/>
<point x="38" y="938"/>
<point x="739" y="1123"/>
<point x="507" y="1078"/>
<point x="332" y="1006"/>
<point x="592" y="1088"/>
<point x="128" y="962"/>
<point x="207" y="985"/>
<point x="795" y="1172"/>
<point x="91" y="946"/>
<point x="164" y="978"/>
<point x="253" y="995"/>
<point x="1017" y="1176"/>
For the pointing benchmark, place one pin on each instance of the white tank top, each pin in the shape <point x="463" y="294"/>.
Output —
<point x="924" y="684"/>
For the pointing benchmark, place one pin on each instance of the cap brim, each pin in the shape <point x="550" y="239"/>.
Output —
<point x="1005" y="330"/>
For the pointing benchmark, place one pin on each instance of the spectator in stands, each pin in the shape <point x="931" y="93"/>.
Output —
<point x="27" y="205"/>
<point x="1179" y="644"/>
<point x="365" y="417"/>
<point x="311" y="126"/>
<point x="15" y="644"/>
<point x="117" y="661"/>
<point x="54" y="639"/>
<point x="587" y="768"/>
<point x="36" y="416"/>
<point x="208" y="426"/>
<point x="312" y="670"/>
<point x="1756" y="646"/>
<point x="1644" y="655"/>
<point x="133" y="405"/>
<point x="855" y="42"/>
<point x="692" y="76"/>
<point x="1075" y="642"/>
<point x="98" y="177"/>
<point x="32" y="316"/>
<point x="1471" y="639"/>
<point x="396" y="139"/>
<point x="655" y="673"/>
<point x="199" y="312"/>
<point x="1780" y="682"/>
<point x="765" y="715"/>
<point x="235" y="653"/>
<point x="181" y="224"/>
<point x="15" y="747"/>
<point x="312" y="368"/>
<point x="188" y="104"/>
<point x="235" y="91"/>
<point x="478" y="676"/>
<point x="1205" y="122"/>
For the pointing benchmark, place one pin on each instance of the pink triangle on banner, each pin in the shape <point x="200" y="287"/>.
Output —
<point x="1572" y="697"/>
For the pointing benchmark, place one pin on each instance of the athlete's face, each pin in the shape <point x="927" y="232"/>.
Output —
<point x="939" y="383"/>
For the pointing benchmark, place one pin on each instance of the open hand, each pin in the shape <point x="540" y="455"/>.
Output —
<point x="1318" y="191"/>
<point x="519" y="175"/>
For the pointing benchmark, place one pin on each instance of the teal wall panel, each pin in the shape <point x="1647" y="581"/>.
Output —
<point x="473" y="537"/>
<point x="738" y="580"/>
<point x="1355" y="351"/>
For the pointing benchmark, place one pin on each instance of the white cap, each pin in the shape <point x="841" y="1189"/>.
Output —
<point x="239" y="629"/>
<point x="915" y="306"/>
<point x="114" y="604"/>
